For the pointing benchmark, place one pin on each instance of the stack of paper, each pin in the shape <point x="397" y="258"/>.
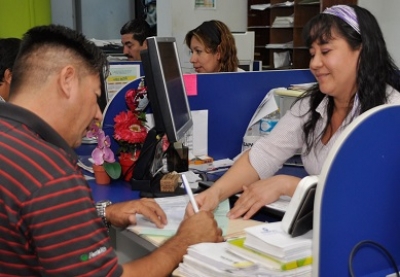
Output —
<point x="283" y="21"/>
<point x="309" y="2"/>
<point x="237" y="247"/>
<point x="270" y="239"/>
<point x="213" y="259"/>
<point x="260" y="7"/>
<point x="284" y="4"/>
<point x="285" y="45"/>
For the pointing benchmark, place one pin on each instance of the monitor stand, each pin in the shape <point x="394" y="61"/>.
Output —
<point x="144" y="178"/>
<point x="141" y="178"/>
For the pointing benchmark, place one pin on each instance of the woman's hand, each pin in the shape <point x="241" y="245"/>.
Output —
<point x="261" y="193"/>
<point x="124" y="214"/>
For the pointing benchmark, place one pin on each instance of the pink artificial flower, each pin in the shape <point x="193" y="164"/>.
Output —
<point x="102" y="153"/>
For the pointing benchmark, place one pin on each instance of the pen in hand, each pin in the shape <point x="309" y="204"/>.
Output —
<point x="190" y="193"/>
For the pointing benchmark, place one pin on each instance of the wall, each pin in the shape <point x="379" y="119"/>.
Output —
<point x="177" y="17"/>
<point x="387" y="14"/>
<point x="99" y="19"/>
<point x="17" y="16"/>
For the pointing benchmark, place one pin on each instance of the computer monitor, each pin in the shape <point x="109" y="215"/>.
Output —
<point x="245" y="49"/>
<point x="165" y="88"/>
<point x="168" y="100"/>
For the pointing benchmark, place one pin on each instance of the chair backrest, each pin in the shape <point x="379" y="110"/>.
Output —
<point x="358" y="197"/>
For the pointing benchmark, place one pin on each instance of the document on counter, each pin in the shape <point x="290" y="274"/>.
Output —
<point x="174" y="207"/>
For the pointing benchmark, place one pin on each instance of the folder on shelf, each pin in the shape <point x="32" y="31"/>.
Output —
<point x="283" y="4"/>
<point x="260" y="7"/>
<point x="284" y="45"/>
<point x="283" y="21"/>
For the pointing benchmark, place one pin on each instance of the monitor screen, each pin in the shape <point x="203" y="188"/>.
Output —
<point x="165" y="88"/>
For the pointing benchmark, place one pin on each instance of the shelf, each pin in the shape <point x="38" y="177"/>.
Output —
<point x="261" y="19"/>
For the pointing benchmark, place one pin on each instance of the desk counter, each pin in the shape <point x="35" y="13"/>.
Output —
<point x="116" y="191"/>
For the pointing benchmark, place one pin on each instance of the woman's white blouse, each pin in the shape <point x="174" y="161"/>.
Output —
<point x="270" y="152"/>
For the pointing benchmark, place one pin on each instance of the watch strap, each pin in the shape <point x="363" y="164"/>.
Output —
<point x="101" y="211"/>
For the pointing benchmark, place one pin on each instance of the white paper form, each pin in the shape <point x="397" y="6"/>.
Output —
<point x="174" y="207"/>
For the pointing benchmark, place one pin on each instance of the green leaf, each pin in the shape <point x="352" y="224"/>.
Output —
<point x="113" y="169"/>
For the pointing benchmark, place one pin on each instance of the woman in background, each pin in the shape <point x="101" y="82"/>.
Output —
<point x="8" y="52"/>
<point x="213" y="48"/>
<point x="354" y="73"/>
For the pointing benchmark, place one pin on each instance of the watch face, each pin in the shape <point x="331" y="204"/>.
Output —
<point x="104" y="203"/>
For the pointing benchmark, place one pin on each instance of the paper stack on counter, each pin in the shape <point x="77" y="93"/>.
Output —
<point x="236" y="246"/>
<point x="214" y="260"/>
<point x="272" y="240"/>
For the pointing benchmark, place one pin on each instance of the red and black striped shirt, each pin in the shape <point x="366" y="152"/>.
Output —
<point x="48" y="222"/>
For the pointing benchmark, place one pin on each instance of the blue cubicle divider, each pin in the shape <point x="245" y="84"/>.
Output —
<point x="358" y="197"/>
<point x="231" y="100"/>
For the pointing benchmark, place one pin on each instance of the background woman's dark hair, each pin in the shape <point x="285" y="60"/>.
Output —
<point x="8" y="52"/>
<point x="215" y="35"/>
<point x="375" y="70"/>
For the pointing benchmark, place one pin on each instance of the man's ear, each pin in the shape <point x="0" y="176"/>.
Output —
<point x="66" y="80"/>
<point x="7" y="76"/>
<point x="144" y="45"/>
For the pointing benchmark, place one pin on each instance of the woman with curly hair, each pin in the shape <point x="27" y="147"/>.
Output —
<point x="213" y="48"/>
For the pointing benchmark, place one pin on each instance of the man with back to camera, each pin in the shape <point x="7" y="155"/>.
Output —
<point x="133" y="38"/>
<point x="49" y="225"/>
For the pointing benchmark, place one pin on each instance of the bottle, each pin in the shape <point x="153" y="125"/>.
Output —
<point x="268" y="122"/>
<point x="254" y="130"/>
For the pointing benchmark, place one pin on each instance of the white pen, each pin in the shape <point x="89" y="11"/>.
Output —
<point x="190" y="193"/>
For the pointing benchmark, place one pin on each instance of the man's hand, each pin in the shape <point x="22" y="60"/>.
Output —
<point x="124" y="214"/>
<point x="201" y="227"/>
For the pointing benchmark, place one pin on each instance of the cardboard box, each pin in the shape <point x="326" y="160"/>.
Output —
<point x="169" y="182"/>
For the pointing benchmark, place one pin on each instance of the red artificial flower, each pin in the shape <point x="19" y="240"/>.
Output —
<point x="129" y="128"/>
<point x="131" y="99"/>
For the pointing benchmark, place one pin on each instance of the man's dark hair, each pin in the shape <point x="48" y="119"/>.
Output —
<point x="46" y="48"/>
<point x="139" y="28"/>
<point x="8" y="52"/>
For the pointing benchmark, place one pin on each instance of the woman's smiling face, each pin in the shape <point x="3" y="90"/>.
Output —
<point x="334" y="64"/>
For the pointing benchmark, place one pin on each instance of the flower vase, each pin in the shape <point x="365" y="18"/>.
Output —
<point x="100" y="175"/>
<point x="128" y="162"/>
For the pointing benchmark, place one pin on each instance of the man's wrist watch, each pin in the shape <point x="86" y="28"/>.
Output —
<point x="101" y="211"/>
